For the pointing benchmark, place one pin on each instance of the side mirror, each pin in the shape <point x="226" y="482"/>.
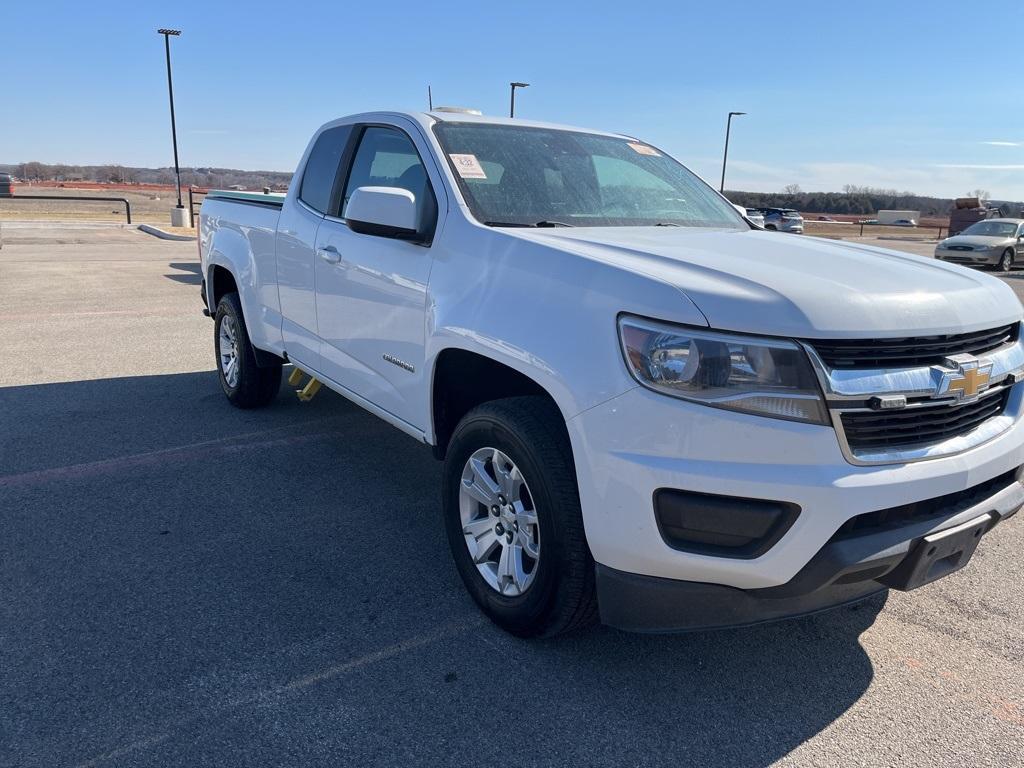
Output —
<point x="382" y="211"/>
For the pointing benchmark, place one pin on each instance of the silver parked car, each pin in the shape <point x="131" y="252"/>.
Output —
<point x="997" y="242"/>
<point x="753" y="215"/>
<point x="783" y="220"/>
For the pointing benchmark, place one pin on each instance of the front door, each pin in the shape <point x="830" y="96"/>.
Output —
<point x="300" y="219"/>
<point x="371" y="291"/>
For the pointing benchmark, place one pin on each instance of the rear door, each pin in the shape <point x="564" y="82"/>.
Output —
<point x="300" y="219"/>
<point x="371" y="291"/>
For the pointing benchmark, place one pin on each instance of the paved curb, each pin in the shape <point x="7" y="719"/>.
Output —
<point x="157" y="232"/>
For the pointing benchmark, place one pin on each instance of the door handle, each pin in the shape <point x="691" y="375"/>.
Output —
<point x="329" y="254"/>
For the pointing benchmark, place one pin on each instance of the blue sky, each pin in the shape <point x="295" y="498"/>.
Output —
<point x="919" y="96"/>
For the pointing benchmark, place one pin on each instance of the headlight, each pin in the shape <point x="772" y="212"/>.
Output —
<point x="767" y="377"/>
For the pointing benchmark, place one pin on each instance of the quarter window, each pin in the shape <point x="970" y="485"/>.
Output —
<point x="322" y="168"/>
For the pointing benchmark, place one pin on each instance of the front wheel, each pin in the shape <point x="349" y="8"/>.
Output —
<point x="245" y="384"/>
<point x="513" y="519"/>
<point x="1006" y="261"/>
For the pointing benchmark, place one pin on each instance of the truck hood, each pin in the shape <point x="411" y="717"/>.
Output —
<point x="793" y="285"/>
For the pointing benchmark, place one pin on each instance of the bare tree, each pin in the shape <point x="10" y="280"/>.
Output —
<point x="792" y="189"/>
<point x="982" y="194"/>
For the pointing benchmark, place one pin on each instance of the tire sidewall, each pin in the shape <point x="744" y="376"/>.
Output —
<point x="1006" y="262"/>
<point x="225" y="308"/>
<point x="522" y="613"/>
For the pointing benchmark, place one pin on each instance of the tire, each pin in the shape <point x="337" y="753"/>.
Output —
<point x="530" y="433"/>
<point x="770" y="227"/>
<point x="248" y="386"/>
<point x="1006" y="261"/>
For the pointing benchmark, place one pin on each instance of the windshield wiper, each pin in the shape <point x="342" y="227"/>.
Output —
<point x="667" y="224"/>
<point x="542" y="223"/>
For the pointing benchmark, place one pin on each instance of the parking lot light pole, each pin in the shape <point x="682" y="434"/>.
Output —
<point x="725" y="155"/>
<point x="167" y="33"/>
<point x="512" y="104"/>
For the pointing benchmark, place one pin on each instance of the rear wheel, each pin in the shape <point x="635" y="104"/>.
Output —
<point x="1006" y="261"/>
<point x="243" y="381"/>
<point x="513" y="519"/>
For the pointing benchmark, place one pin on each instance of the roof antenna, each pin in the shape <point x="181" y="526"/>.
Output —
<point x="430" y="99"/>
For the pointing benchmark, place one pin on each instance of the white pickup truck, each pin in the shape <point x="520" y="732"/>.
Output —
<point x="650" y="411"/>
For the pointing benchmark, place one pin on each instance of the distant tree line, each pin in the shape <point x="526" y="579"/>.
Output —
<point x="859" y="201"/>
<point x="120" y="174"/>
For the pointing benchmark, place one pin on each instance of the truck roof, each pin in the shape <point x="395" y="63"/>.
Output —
<point x="427" y="119"/>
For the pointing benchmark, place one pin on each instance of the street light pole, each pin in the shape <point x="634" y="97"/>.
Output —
<point x="167" y="33"/>
<point x="725" y="155"/>
<point x="512" y="104"/>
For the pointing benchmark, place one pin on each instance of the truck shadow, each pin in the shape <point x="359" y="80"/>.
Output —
<point x="190" y="272"/>
<point x="194" y="583"/>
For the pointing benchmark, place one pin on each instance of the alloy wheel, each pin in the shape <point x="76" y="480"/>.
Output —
<point x="499" y="522"/>
<point x="227" y="349"/>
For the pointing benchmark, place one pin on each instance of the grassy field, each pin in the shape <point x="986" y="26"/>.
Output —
<point x="842" y="230"/>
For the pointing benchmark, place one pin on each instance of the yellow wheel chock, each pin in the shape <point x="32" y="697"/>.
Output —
<point x="309" y="391"/>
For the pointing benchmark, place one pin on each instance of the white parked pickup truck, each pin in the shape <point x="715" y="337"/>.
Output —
<point x="649" y="411"/>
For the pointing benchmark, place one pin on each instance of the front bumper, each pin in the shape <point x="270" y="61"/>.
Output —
<point x="631" y="446"/>
<point x="968" y="257"/>
<point x="847" y="569"/>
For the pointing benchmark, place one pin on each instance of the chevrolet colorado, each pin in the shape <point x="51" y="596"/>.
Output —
<point x="650" y="411"/>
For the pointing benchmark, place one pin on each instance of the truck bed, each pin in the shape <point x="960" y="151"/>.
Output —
<point x="272" y="199"/>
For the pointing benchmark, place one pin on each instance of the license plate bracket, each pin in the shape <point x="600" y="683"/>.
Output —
<point x="939" y="554"/>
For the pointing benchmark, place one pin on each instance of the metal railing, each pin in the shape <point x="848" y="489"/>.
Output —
<point x="68" y="198"/>
<point x="917" y="228"/>
<point x="195" y="195"/>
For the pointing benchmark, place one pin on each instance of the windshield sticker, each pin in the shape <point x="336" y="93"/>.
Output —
<point x="468" y="166"/>
<point x="643" y="149"/>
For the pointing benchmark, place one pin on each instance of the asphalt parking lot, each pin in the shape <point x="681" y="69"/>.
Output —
<point x="183" y="583"/>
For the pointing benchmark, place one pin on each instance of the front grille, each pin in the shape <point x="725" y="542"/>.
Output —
<point x="918" y="511"/>
<point x="925" y="425"/>
<point x="910" y="352"/>
<point x="959" y="248"/>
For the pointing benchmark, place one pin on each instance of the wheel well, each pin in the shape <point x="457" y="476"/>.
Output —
<point x="221" y="282"/>
<point x="462" y="381"/>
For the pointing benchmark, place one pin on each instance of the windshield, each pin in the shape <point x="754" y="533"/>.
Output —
<point x="515" y="175"/>
<point x="992" y="229"/>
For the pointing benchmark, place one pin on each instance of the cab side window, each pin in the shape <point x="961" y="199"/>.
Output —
<point x="387" y="158"/>
<point x="322" y="168"/>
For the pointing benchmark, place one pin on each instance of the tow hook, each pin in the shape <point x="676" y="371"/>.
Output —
<point x="309" y="391"/>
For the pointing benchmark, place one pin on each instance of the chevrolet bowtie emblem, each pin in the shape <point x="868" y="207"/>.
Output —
<point x="970" y="378"/>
